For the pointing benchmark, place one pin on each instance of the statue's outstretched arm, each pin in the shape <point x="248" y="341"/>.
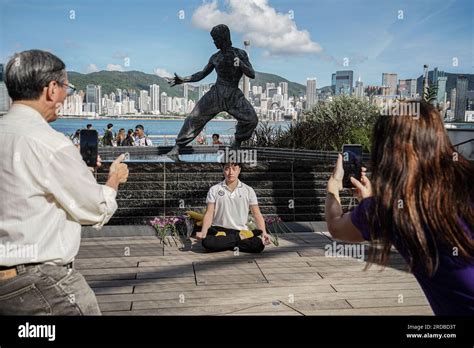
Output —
<point x="177" y="80"/>
<point x="201" y="74"/>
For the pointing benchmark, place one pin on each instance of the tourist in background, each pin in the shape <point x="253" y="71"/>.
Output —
<point x="121" y="137"/>
<point x="216" y="139"/>
<point x="130" y="139"/>
<point x="108" y="135"/>
<point x="140" y="138"/>
<point x="201" y="138"/>
<point x="76" y="138"/>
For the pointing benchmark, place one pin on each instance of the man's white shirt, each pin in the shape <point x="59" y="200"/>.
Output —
<point x="143" y="141"/>
<point x="47" y="191"/>
<point x="231" y="207"/>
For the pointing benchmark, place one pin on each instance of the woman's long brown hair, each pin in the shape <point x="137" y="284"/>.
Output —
<point x="421" y="186"/>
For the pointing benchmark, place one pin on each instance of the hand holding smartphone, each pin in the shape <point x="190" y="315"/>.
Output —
<point x="89" y="147"/>
<point x="352" y="163"/>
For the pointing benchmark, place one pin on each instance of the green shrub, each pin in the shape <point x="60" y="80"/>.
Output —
<point x="329" y="125"/>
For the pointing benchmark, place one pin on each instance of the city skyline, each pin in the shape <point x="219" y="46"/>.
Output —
<point x="272" y="101"/>
<point x="100" y="36"/>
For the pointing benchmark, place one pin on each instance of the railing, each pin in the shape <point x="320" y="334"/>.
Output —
<point x="462" y="143"/>
<point x="468" y="156"/>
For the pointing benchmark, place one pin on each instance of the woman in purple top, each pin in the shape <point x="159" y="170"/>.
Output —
<point x="419" y="200"/>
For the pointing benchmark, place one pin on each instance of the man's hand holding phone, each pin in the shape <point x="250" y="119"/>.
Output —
<point x="98" y="164"/>
<point x="118" y="173"/>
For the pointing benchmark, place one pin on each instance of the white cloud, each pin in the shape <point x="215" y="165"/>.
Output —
<point x="114" y="67"/>
<point x="260" y="23"/>
<point x="92" y="68"/>
<point x="163" y="72"/>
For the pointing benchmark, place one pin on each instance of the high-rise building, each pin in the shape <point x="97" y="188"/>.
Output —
<point x="271" y="91"/>
<point x="359" y="89"/>
<point x="311" y="96"/>
<point x="461" y="98"/>
<point x="284" y="87"/>
<point x="344" y="82"/>
<point x="155" y="98"/>
<point x="99" y="99"/>
<point x="254" y="90"/>
<point x="91" y="94"/>
<point x="164" y="103"/>
<point x="143" y="101"/>
<point x="333" y="82"/>
<point x="407" y="88"/>
<point x="185" y="91"/>
<point x="118" y="95"/>
<point x="441" y="94"/>
<point x="390" y="81"/>
<point x="269" y="85"/>
<point x="92" y="102"/>
<point x="453" y="102"/>
<point x="132" y="95"/>
<point x="73" y="105"/>
<point x="470" y="101"/>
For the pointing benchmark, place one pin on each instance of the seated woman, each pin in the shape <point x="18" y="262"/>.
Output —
<point x="420" y="201"/>
<point x="224" y="224"/>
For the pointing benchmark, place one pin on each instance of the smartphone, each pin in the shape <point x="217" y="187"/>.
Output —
<point x="352" y="163"/>
<point x="89" y="141"/>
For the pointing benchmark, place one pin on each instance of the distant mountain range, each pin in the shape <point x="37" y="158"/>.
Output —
<point x="111" y="80"/>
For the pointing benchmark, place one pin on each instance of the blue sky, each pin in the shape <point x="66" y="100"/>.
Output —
<point x="371" y="36"/>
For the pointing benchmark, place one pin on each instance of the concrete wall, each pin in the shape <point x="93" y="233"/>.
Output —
<point x="161" y="189"/>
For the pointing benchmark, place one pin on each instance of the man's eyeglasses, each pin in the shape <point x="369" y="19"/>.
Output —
<point x="70" y="88"/>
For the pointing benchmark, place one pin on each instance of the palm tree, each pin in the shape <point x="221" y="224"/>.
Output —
<point x="431" y="94"/>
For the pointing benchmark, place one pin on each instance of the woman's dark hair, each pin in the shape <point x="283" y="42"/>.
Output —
<point x="110" y="125"/>
<point x="422" y="187"/>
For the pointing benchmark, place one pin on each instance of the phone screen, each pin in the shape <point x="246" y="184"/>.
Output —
<point x="89" y="146"/>
<point x="352" y="163"/>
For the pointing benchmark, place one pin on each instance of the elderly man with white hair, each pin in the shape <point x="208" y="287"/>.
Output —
<point x="47" y="192"/>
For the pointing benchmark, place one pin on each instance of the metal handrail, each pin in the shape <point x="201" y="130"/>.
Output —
<point x="463" y="142"/>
